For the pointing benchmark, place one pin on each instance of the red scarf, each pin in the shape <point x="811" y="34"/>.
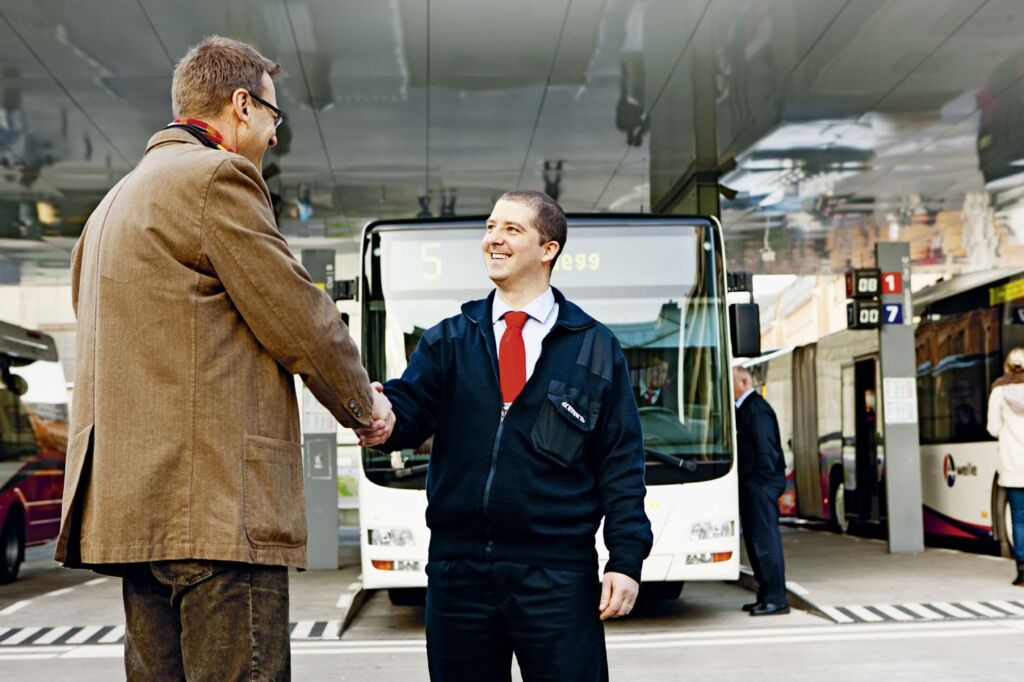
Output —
<point x="205" y="132"/>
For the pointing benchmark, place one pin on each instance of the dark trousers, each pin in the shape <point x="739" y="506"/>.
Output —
<point x="759" y="517"/>
<point x="481" y="612"/>
<point x="206" y="620"/>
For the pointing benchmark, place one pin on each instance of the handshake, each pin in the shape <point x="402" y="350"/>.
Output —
<point x="379" y="430"/>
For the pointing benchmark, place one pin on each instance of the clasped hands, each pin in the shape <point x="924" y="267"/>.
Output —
<point x="379" y="430"/>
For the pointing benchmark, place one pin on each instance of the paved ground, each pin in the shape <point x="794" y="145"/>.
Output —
<point x="45" y="618"/>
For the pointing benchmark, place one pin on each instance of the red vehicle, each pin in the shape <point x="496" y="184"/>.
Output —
<point x="33" y="443"/>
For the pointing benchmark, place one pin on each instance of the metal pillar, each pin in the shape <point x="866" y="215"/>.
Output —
<point x="320" y="448"/>
<point x="899" y="395"/>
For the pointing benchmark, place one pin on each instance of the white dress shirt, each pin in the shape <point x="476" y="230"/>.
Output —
<point x="743" y="397"/>
<point x="543" y="313"/>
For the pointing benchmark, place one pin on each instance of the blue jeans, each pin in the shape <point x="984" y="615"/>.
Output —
<point x="1016" y="498"/>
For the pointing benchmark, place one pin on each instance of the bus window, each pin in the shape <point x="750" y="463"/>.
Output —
<point x="665" y="307"/>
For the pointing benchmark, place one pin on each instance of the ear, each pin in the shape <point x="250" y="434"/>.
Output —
<point x="240" y="104"/>
<point x="550" y="251"/>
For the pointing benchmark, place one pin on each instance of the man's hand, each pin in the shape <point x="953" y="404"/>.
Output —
<point x="618" y="594"/>
<point x="383" y="422"/>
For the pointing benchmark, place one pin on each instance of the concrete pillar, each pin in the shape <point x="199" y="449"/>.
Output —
<point x="899" y="395"/>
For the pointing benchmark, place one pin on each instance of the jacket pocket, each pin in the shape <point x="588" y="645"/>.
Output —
<point x="565" y="419"/>
<point x="272" y="496"/>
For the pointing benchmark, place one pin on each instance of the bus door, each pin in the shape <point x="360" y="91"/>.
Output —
<point x="865" y="500"/>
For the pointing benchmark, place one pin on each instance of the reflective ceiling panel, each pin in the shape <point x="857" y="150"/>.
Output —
<point x="850" y="121"/>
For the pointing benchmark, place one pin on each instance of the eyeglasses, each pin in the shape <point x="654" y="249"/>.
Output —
<point x="278" y="114"/>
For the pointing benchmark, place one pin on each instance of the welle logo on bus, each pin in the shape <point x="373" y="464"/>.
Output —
<point x="950" y="470"/>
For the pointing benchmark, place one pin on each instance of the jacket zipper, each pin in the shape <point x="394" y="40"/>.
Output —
<point x="490" y="481"/>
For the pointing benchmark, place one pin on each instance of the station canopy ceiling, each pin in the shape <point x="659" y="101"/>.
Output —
<point x="850" y="121"/>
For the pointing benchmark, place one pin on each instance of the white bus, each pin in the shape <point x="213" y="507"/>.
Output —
<point x="659" y="285"/>
<point x="828" y="396"/>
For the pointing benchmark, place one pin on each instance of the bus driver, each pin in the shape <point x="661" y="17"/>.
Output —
<point x="536" y="437"/>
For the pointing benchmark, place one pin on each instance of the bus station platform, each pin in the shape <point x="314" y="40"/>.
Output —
<point x="850" y="579"/>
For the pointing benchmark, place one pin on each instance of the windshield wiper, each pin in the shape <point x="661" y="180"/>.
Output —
<point x="672" y="460"/>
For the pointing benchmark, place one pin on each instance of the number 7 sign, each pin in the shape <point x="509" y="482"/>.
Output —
<point x="892" y="283"/>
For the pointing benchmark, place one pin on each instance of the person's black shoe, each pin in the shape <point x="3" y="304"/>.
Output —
<point x="751" y="606"/>
<point x="769" y="610"/>
<point x="1020" y="576"/>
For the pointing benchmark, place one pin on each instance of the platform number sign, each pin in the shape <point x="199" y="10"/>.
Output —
<point x="892" y="313"/>
<point x="892" y="283"/>
<point x="863" y="283"/>
<point x="863" y="315"/>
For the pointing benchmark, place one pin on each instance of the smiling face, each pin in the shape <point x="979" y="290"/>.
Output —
<point x="512" y="248"/>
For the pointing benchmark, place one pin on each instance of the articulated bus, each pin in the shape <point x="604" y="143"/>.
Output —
<point x="659" y="285"/>
<point x="829" y="399"/>
<point x="33" y="443"/>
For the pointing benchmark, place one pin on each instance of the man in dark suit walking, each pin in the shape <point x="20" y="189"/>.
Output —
<point x="762" y="473"/>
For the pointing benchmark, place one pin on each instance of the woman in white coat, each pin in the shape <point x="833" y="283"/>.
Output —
<point x="1006" y="422"/>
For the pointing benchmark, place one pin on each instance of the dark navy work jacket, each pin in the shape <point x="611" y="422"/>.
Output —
<point x="533" y="487"/>
<point x="758" y="445"/>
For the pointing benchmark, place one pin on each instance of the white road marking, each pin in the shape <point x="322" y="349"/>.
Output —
<point x="20" y="636"/>
<point x="302" y="629"/>
<point x="344" y="601"/>
<point x="835" y="614"/>
<point x="96" y="581"/>
<point x="1007" y="606"/>
<point x="753" y="636"/>
<point x="946" y="607"/>
<point x="797" y="588"/>
<point x="893" y="612"/>
<point x="83" y="635"/>
<point x="355" y="587"/>
<point x="113" y="636"/>
<point x="53" y="635"/>
<point x="978" y="607"/>
<point x="16" y="606"/>
<point x="332" y="630"/>
<point x="923" y="611"/>
<point x="864" y="614"/>
<point x="57" y="593"/>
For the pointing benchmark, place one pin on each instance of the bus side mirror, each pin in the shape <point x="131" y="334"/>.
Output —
<point x="745" y="330"/>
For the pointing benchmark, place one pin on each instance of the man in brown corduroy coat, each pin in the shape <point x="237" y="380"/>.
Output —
<point x="184" y="472"/>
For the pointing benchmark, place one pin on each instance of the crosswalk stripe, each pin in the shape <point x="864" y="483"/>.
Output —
<point x="20" y="636"/>
<point x="332" y="630"/>
<point x="302" y="629"/>
<point x="114" y="636"/>
<point x="893" y="612"/>
<point x="923" y="611"/>
<point x="83" y="635"/>
<point x="946" y="607"/>
<point x="978" y="607"/>
<point x="864" y="614"/>
<point x="1012" y="609"/>
<point x="53" y="635"/>
<point x="835" y="614"/>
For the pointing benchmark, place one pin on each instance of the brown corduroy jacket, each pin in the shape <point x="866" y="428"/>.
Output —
<point x="193" y="316"/>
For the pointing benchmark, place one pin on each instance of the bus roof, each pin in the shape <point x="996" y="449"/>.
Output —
<point x="25" y="345"/>
<point x="959" y="284"/>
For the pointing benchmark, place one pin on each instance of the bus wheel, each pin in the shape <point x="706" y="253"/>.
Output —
<point x="839" y="523"/>
<point x="11" y="550"/>
<point x="669" y="589"/>
<point x="408" y="596"/>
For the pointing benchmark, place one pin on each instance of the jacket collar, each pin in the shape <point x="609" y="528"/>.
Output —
<point x="570" y="315"/>
<point x="168" y="136"/>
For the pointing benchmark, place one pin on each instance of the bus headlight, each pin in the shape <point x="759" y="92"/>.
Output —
<point x="392" y="537"/>
<point x="709" y="530"/>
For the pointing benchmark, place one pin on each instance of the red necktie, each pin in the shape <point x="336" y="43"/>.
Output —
<point x="512" y="356"/>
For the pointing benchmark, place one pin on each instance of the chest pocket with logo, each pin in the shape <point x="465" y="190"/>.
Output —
<point x="565" y="419"/>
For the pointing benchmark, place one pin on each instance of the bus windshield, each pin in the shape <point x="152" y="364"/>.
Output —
<point x="658" y="287"/>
